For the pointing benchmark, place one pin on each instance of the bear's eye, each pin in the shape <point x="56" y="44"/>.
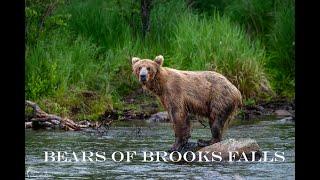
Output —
<point x="148" y="68"/>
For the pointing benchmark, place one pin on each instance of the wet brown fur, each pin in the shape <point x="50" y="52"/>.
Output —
<point x="204" y="93"/>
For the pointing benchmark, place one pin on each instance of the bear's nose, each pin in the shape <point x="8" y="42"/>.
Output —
<point x="143" y="77"/>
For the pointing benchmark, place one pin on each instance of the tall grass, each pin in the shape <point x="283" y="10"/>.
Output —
<point x="273" y="23"/>
<point x="102" y="21"/>
<point x="215" y="43"/>
<point x="57" y="63"/>
<point x="59" y="69"/>
<point x="254" y="15"/>
<point x="281" y="46"/>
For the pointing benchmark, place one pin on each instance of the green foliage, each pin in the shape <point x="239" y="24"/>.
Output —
<point x="208" y="6"/>
<point x="107" y="23"/>
<point x="77" y="104"/>
<point x="281" y="46"/>
<point x="217" y="44"/>
<point x="56" y="66"/>
<point x="273" y="23"/>
<point x="75" y="47"/>
<point x="57" y="63"/>
<point x="40" y="20"/>
<point x="254" y="15"/>
<point x="249" y="102"/>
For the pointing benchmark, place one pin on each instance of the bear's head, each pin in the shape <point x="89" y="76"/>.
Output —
<point x="146" y="69"/>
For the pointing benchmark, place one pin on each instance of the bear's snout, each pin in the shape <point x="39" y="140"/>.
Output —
<point x="143" y="77"/>
<point x="143" y="74"/>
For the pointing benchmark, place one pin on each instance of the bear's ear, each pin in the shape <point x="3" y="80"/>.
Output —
<point x="134" y="60"/>
<point x="159" y="60"/>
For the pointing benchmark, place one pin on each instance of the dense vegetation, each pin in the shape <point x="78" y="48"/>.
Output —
<point x="78" y="52"/>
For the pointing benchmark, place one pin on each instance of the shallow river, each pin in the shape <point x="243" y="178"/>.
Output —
<point x="271" y="134"/>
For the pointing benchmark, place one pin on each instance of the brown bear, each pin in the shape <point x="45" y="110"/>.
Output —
<point x="204" y="93"/>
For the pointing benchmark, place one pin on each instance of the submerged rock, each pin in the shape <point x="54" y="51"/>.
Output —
<point x="281" y="112"/>
<point x="28" y="124"/>
<point x="287" y="120"/>
<point x="159" y="117"/>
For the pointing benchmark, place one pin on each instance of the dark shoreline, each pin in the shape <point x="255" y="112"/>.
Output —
<point x="280" y="108"/>
<point x="147" y="107"/>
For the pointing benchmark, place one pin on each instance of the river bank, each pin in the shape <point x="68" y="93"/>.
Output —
<point x="144" y="106"/>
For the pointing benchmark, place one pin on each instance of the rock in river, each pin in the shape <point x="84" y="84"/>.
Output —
<point x="159" y="117"/>
<point x="241" y="149"/>
<point x="245" y="145"/>
<point x="281" y="112"/>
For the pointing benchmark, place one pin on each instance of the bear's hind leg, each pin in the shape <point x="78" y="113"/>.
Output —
<point x="220" y="123"/>
<point x="215" y="131"/>
<point x="217" y="124"/>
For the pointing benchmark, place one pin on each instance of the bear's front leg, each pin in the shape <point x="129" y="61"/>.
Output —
<point x="181" y="127"/>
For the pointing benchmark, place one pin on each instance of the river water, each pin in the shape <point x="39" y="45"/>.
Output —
<point x="271" y="134"/>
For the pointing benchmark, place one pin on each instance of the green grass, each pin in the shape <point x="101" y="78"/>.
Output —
<point x="58" y="68"/>
<point x="254" y="15"/>
<point x="57" y="63"/>
<point x="274" y="23"/>
<point x="87" y="47"/>
<point x="281" y="46"/>
<point x="101" y="21"/>
<point x="217" y="44"/>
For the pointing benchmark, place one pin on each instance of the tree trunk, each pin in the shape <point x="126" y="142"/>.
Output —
<point x="43" y="119"/>
<point x="145" y="16"/>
